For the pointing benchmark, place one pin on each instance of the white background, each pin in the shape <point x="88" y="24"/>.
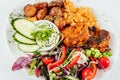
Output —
<point x="111" y="8"/>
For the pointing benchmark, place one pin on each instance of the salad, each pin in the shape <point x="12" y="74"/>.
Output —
<point x="62" y="42"/>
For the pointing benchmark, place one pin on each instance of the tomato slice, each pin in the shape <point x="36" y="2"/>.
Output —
<point x="59" y="62"/>
<point x="73" y="62"/>
<point x="86" y="72"/>
<point x="104" y="62"/>
<point x="90" y="72"/>
<point x="47" y="60"/>
<point x="94" y="70"/>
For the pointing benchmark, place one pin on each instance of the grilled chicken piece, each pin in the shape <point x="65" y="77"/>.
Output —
<point x="57" y="3"/>
<point x="41" y="14"/>
<point x="60" y="23"/>
<point x="101" y="41"/>
<point x="41" y="5"/>
<point x="56" y="11"/>
<point x="49" y="17"/>
<point x="105" y="39"/>
<point x="30" y="10"/>
<point x="103" y="34"/>
<point x="92" y="42"/>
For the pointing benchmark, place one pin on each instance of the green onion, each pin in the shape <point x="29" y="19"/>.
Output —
<point x="70" y="54"/>
<point x="32" y="67"/>
<point x="36" y="53"/>
<point x="88" y="53"/>
<point x="96" y="53"/>
<point x="44" y="33"/>
<point x="40" y="64"/>
<point x="109" y="53"/>
<point x="33" y="64"/>
<point x="104" y="54"/>
<point x="53" y="76"/>
<point x="68" y="58"/>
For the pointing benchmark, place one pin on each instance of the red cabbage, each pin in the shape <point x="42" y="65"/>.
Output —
<point x="37" y="72"/>
<point x="79" y="69"/>
<point x="21" y="62"/>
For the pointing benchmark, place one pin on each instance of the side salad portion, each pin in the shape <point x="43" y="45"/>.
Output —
<point x="64" y="63"/>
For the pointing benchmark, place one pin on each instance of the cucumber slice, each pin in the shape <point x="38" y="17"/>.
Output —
<point x="28" y="48"/>
<point x="24" y="27"/>
<point x="21" y="39"/>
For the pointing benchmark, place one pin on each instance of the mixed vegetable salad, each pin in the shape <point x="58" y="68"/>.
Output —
<point x="41" y="33"/>
<point x="65" y="63"/>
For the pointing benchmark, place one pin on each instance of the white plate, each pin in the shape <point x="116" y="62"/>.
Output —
<point x="104" y="23"/>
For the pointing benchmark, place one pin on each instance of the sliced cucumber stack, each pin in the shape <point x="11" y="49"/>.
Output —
<point x="24" y="27"/>
<point x="21" y="39"/>
<point x="34" y="36"/>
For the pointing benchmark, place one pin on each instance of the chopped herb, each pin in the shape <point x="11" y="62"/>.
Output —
<point x="32" y="67"/>
<point x="44" y="33"/>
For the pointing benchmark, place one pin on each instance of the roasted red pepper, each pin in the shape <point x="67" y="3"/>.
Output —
<point x="47" y="60"/>
<point x="94" y="70"/>
<point x="59" y="62"/>
<point x="73" y="62"/>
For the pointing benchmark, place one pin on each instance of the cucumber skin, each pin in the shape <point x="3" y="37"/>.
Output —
<point x="19" y="42"/>
<point x="26" y="51"/>
<point x="13" y="26"/>
<point x="12" y="23"/>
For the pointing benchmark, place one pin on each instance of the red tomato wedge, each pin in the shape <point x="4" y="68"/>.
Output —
<point x="104" y="62"/>
<point x="93" y="71"/>
<point x="86" y="72"/>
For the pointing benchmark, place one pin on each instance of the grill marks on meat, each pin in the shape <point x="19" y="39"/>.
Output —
<point x="41" y="13"/>
<point x="92" y="42"/>
<point x="103" y="34"/>
<point x="99" y="40"/>
<point x="105" y="38"/>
